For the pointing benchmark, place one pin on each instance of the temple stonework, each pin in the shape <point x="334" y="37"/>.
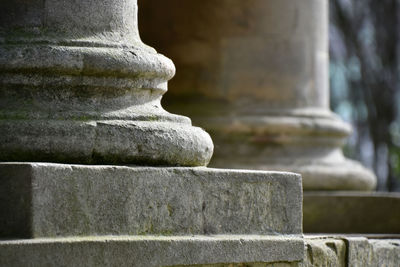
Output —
<point x="95" y="172"/>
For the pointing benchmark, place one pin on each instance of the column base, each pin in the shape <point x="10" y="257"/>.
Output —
<point x="105" y="142"/>
<point x="300" y="142"/>
<point x="93" y="100"/>
<point x="347" y="175"/>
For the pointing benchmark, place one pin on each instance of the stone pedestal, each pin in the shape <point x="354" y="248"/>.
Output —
<point x="40" y="200"/>
<point x="74" y="215"/>
<point x="255" y="75"/>
<point x="351" y="213"/>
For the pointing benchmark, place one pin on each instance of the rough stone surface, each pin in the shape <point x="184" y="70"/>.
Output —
<point x="357" y="251"/>
<point x="373" y="252"/>
<point x="77" y="85"/>
<point x="247" y="264"/>
<point x="254" y="74"/>
<point x="47" y="200"/>
<point x="205" y="251"/>
<point x="149" y="251"/>
<point x="351" y="212"/>
<point x="324" y="252"/>
<point x="344" y="250"/>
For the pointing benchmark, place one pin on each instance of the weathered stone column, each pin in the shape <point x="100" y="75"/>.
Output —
<point x="255" y="75"/>
<point x="77" y="85"/>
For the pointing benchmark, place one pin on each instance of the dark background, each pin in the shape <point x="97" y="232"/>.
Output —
<point x="365" y="82"/>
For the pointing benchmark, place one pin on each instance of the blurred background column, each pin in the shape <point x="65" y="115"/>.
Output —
<point x="255" y="75"/>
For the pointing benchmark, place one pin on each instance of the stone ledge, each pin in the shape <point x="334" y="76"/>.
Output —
<point x="150" y="250"/>
<point x="50" y="200"/>
<point x="205" y="251"/>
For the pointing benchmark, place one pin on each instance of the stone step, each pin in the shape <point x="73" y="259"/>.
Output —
<point x="351" y="212"/>
<point x="150" y="251"/>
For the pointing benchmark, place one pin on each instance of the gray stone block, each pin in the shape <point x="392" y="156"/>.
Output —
<point x="373" y="252"/>
<point x="352" y="250"/>
<point x="351" y="212"/>
<point x="49" y="200"/>
<point x="324" y="251"/>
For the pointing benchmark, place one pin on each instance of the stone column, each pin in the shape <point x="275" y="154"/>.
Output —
<point x="255" y="75"/>
<point x="77" y="85"/>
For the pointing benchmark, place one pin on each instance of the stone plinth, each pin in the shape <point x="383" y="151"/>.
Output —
<point x="47" y="200"/>
<point x="345" y="212"/>
<point x="77" y="85"/>
<point x="254" y="74"/>
<point x="147" y="216"/>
